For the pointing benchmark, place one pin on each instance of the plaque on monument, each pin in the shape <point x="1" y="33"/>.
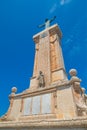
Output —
<point x="27" y="106"/>
<point x="46" y="103"/>
<point x="36" y="105"/>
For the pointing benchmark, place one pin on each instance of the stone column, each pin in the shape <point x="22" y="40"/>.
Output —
<point x="48" y="57"/>
<point x="57" y="63"/>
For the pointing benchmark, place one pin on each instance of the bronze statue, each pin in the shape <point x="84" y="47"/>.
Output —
<point x="47" y="22"/>
<point x="41" y="81"/>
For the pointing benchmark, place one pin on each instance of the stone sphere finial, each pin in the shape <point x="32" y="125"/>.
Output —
<point x="73" y="72"/>
<point x="14" y="90"/>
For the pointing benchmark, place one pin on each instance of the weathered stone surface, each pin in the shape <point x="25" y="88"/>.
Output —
<point x="64" y="96"/>
<point x="77" y="124"/>
<point x="47" y="129"/>
<point x="15" y="110"/>
<point x="58" y="129"/>
<point x="58" y="75"/>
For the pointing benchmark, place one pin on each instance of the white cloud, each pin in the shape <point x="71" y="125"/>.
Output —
<point x="58" y="4"/>
<point x="54" y="7"/>
<point x="68" y="41"/>
<point x="63" y="2"/>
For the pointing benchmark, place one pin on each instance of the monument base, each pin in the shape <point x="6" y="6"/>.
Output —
<point x="74" y="124"/>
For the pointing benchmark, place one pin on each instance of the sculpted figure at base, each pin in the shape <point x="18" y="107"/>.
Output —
<point x="79" y="93"/>
<point x="41" y="81"/>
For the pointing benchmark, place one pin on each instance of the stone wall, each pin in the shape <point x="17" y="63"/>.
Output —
<point x="44" y="129"/>
<point x="66" y="108"/>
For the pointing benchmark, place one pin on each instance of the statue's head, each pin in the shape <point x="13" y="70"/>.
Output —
<point x="40" y="72"/>
<point x="46" y="19"/>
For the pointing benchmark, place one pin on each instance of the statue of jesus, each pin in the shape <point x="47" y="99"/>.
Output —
<point x="47" y="22"/>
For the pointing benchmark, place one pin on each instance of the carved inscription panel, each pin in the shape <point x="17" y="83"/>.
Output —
<point x="36" y="105"/>
<point x="27" y="106"/>
<point x="46" y="103"/>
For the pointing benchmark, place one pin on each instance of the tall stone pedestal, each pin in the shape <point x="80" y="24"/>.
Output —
<point x="48" y="57"/>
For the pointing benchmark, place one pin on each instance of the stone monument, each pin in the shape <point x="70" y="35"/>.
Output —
<point x="52" y="102"/>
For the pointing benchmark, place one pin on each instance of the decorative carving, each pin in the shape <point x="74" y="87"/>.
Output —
<point x="53" y="38"/>
<point x="79" y="93"/>
<point x="41" y="81"/>
<point x="74" y="78"/>
<point x="53" y="55"/>
<point x="81" y="105"/>
<point x="83" y="94"/>
<point x="36" y="39"/>
<point x="14" y="90"/>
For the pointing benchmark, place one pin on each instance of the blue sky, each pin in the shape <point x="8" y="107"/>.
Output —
<point x="18" y="23"/>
